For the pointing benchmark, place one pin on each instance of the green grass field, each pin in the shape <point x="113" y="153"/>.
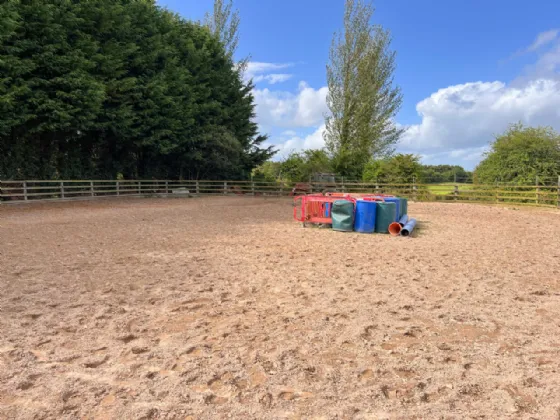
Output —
<point x="545" y="195"/>
<point x="446" y="188"/>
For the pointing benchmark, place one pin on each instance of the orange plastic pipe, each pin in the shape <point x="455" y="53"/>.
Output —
<point x="395" y="229"/>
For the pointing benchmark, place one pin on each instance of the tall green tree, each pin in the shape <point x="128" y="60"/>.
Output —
<point x="401" y="168"/>
<point x="224" y="23"/>
<point x="108" y="87"/>
<point x="362" y="99"/>
<point x="269" y="171"/>
<point x="301" y="166"/>
<point x="520" y="155"/>
<point x="52" y="87"/>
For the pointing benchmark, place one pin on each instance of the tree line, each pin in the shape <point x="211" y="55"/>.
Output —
<point x="121" y="88"/>
<point x="126" y="89"/>
<point x="521" y="155"/>
<point x="398" y="168"/>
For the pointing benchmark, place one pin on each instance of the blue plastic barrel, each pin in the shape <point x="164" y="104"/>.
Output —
<point x="397" y="201"/>
<point x="364" y="221"/>
<point x="404" y="206"/>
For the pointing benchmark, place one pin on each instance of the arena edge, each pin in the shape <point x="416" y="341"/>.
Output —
<point x="41" y="190"/>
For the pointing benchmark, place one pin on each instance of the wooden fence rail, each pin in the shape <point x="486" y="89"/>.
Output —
<point x="35" y="190"/>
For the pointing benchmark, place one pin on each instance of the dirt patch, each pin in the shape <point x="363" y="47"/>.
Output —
<point x="216" y="307"/>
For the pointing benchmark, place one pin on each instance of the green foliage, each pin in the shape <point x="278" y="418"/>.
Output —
<point x="107" y="87"/>
<point x="362" y="99"/>
<point x="302" y="166"/>
<point x="520" y="155"/>
<point x="446" y="173"/>
<point x="399" y="169"/>
<point x="293" y="168"/>
<point x="267" y="172"/>
<point x="224" y="24"/>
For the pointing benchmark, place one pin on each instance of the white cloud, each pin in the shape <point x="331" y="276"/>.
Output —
<point x="272" y="78"/>
<point x="548" y="64"/>
<point x="468" y="157"/>
<point x="257" y="67"/>
<point x="459" y="121"/>
<point x="295" y="143"/>
<point x="543" y="39"/>
<point x="289" y="110"/>
<point x="267" y="72"/>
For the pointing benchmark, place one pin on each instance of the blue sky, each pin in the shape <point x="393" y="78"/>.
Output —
<point x="466" y="68"/>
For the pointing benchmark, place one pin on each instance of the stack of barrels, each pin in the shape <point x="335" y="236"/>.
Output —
<point x="369" y="215"/>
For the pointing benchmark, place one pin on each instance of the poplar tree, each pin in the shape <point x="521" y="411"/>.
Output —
<point x="363" y="100"/>
<point x="224" y="23"/>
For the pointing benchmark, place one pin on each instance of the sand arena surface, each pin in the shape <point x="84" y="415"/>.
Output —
<point x="222" y="307"/>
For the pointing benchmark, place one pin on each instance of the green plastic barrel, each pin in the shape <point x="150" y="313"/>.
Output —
<point x="343" y="216"/>
<point x="386" y="214"/>
<point x="404" y="207"/>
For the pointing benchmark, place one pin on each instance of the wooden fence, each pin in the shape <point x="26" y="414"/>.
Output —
<point x="18" y="191"/>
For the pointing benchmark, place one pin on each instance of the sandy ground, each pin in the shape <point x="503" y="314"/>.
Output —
<point x="212" y="308"/>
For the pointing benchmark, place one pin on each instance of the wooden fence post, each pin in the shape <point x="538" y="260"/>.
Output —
<point x="414" y="189"/>
<point x="252" y="187"/>
<point x="25" y="190"/>
<point x="61" y="189"/>
<point x="225" y="187"/>
<point x="558" y="199"/>
<point x="537" y="190"/>
<point x="197" y="188"/>
<point x="118" y="188"/>
<point x="91" y="188"/>
<point x="456" y="187"/>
